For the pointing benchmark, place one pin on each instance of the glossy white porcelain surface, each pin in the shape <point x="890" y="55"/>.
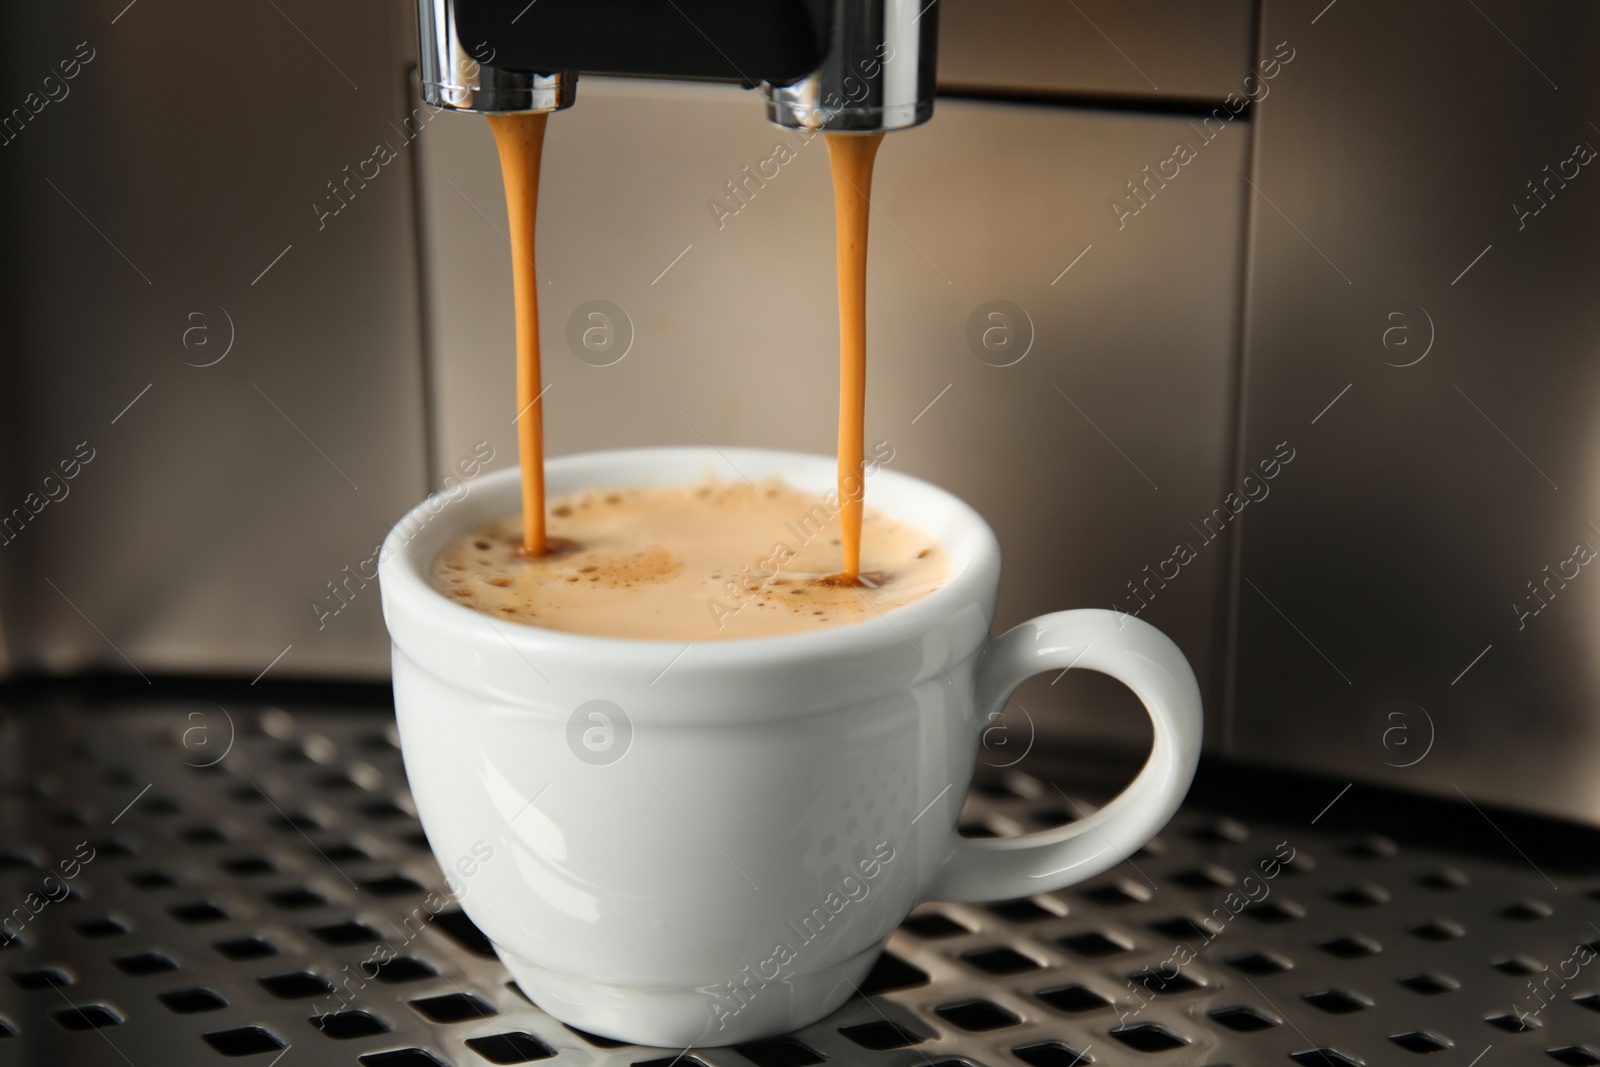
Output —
<point x="722" y="860"/>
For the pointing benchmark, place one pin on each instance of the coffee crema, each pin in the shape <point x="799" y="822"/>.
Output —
<point x="704" y="562"/>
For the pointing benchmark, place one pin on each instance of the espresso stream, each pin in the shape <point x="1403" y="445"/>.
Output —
<point x="850" y="156"/>
<point x="520" y="139"/>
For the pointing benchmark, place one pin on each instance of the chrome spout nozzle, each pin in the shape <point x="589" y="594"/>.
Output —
<point x="457" y="76"/>
<point x="878" y="75"/>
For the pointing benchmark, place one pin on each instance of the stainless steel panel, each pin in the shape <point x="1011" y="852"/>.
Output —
<point x="1382" y="632"/>
<point x="1090" y="456"/>
<point x="1157" y="48"/>
<point x="244" y="370"/>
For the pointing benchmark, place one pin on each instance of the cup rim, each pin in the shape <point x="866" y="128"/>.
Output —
<point x="407" y="588"/>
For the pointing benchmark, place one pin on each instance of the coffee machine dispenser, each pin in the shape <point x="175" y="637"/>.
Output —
<point x="864" y="66"/>
<point x="256" y="346"/>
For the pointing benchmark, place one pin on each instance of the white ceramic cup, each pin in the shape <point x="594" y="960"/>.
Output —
<point x="704" y="844"/>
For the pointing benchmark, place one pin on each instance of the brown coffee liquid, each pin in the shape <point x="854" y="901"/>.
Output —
<point x="703" y="562"/>
<point x="520" y="139"/>
<point x="850" y="156"/>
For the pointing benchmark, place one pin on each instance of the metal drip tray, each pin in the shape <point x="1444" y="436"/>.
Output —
<point x="228" y="908"/>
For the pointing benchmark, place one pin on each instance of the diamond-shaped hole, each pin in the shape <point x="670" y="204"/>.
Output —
<point x="1430" y="984"/>
<point x="1374" y="847"/>
<point x="1051" y="1054"/>
<point x="404" y="969"/>
<point x="152" y="879"/>
<point x="74" y="817"/>
<point x="1000" y="961"/>
<point x="87" y="1017"/>
<point x="1527" y="910"/>
<point x="344" y="852"/>
<point x="198" y="911"/>
<point x="1149" y="1037"/>
<point x="977" y="829"/>
<point x="1094" y="944"/>
<point x="112" y="847"/>
<point x="207" y="834"/>
<point x="1588" y="1000"/>
<point x="1350" y="946"/>
<point x="243" y="1040"/>
<point x="1205" y="876"/>
<point x="890" y="972"/>
<point x="668" y="1061"/>
<point x="1073" y="999"/>
<point x="383" y="741"/>
<point x="1120" y="892"/>
<point x="1445" y="879"/>
<point x="1021" y="911"/>
<point x="1275" y="911"/>
<point x="779" y="1052"/>
<point x="190" y="1001"/>
<point x="295" y="985"/>
<point x="103" y="926"/>
<point x="349" y="932"/>
<point x="1244" y="1019"/>
<point x="1179" y="928"/>
<point x="1259" y="964"/>
<point x="1361" y="895"/>
<point x="246" y="948"/>
<point x="348" y="1025"/>
<point x="337" y="781"/>
<point x="977" y="1015"/>
<point x="384" y="810"/>
<point x="461" y="930"/>
<point x="394" y="885"/>
<point x="1438" y="930"/>
<point x="1520" y="966"/>
<point x="138" y="964"/>
<point x="1157" y="980"/>
<point x="1221" y="831"/>
<point x="1337" y="1001"/>
<point x="933" y="924"/>
<point x="296" y="898"/>
<point x="303" y="821"/>
<point x="1324" y="1057"/>
<point x="515" y="1047"/>
<point x="43" y="978"/>
<point x="421" y="1057"/>
<point x="249" y="866"/>
<point x="55" y="893"/>
<point x="454" y="1007"/>
<point x="1513" y="1023"/>
<point x="1152" y="848"/>
<point x="1575" y="1055"/>
<point x="879" y="1036"/>
<point x="1421" y="1041"/>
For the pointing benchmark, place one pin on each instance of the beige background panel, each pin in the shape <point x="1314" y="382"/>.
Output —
<point x="1165" y="48"/>
<point x="219" y="504"/>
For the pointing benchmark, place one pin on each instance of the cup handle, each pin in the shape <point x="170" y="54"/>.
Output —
<point x="1146" y="661"/>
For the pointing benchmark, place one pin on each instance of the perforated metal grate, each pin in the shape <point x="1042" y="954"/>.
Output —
<point x="228" y="912"/>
